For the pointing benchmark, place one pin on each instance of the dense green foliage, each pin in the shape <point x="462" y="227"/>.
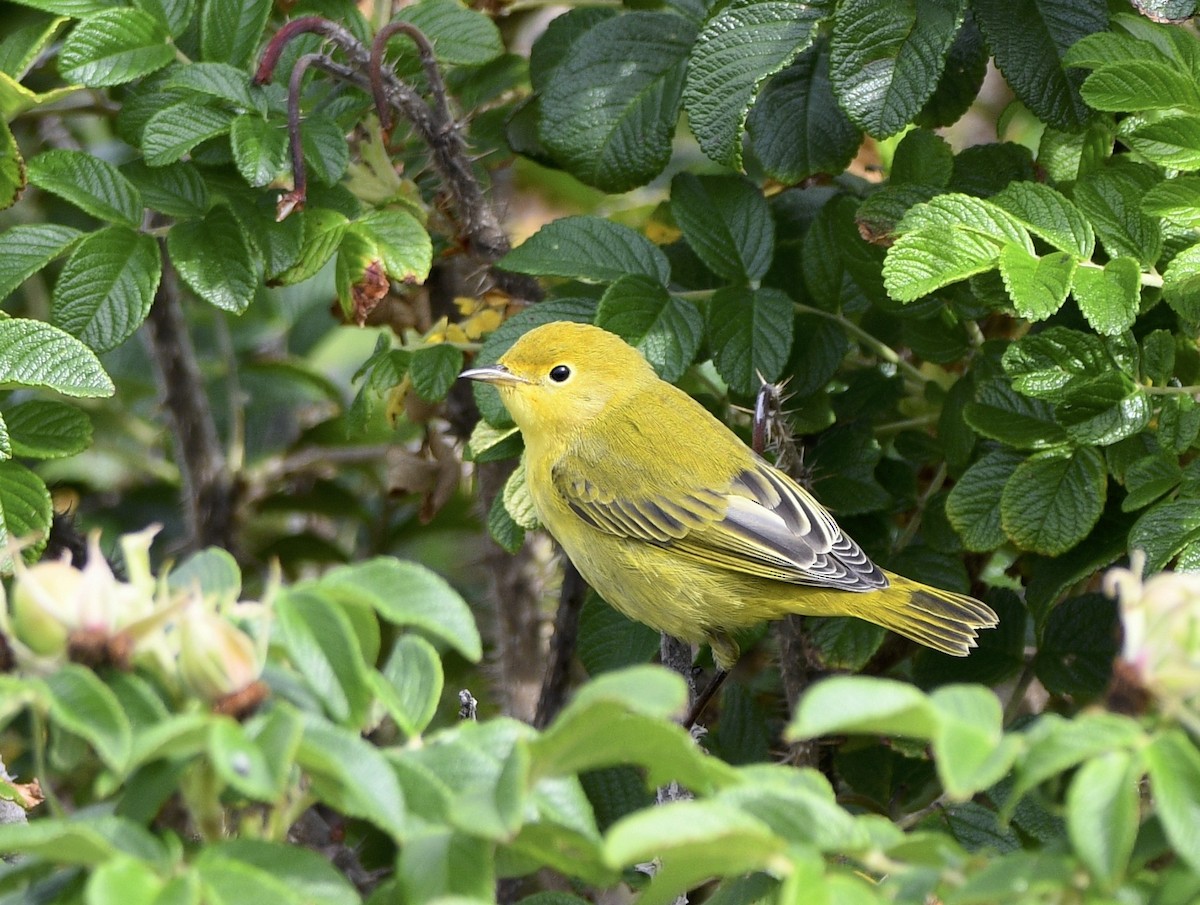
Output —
<point x="990" y="367"/>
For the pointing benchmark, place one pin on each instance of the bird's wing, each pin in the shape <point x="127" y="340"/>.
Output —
<point x="762" y="523"/>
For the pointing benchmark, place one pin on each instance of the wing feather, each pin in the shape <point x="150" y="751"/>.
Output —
<point x="763" y="523"/>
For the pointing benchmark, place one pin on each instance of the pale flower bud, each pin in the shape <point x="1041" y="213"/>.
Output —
<point x="216" y="658"/>
<point x="1161" y="617"/>
<point x="42" y="602"/>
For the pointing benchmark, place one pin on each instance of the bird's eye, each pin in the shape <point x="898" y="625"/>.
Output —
<point x="559" y="373"/>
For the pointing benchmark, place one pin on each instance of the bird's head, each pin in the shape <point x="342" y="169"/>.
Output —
<point x="560" y="376"/>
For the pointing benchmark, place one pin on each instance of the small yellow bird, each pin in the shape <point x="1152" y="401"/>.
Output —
<point x="678" y="524"/>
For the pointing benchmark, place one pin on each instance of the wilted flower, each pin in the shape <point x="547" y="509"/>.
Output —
<point x="216" y="658"/>
<point x="1161" y="617"/>
<point x="57" y="608"/>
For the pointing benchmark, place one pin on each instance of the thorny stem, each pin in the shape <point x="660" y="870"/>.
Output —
<point x="437" y="87"/>
<point x="296" y="197"/>
<point x="481" y="229"/>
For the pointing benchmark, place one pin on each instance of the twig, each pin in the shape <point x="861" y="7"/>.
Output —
<point x="562" y="647"/>
<point x="209" y="489"/>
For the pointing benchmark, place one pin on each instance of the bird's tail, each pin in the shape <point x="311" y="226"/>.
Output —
<point x="943" y="620"/>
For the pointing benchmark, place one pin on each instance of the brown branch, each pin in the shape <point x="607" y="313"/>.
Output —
<point x="480" y="227"/>
<point x="562" y="647"/>
<point x="208" y="487"/>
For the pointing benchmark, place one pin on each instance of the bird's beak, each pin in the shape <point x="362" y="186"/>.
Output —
<point x="495" y="374"/>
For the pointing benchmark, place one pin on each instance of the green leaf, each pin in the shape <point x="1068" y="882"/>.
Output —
<point x="27" y="249"/>
<point x="322" y="646"/>
<point x="970" y="749"/>
<point x="1158" y="356"/>
<point x="1164" y="531"/>
<point x="1038" y="286"/>
<point x="738" y="48"/>
<point x="609" y="640"/>
<point x="1170" y="140"/>
<point x="1046" y="363"/>
<point x="1175" y="200"/>
<point x="609" y="113"/>
<point x="36" y="354"/>
<point x="175" y="130"/>
<point x="621" y="718"/>
<point x="325" y="150"/>
<point x="82" y="704"/>
<point x="1104" y="409"/>
<point x="230" y="30"/>
<point x="460" y="36"/>
<point x="948" y="239"/>
<point x="886" y="58"/>
<point x="323" y="233"/>
<point x="310" y="876"/>
<point x="352" y="776"/>
<point x="556" y="42"/>
<point x="107" y="286"/>
<point x="92" y="184"/>
<point x="590" y="249"/>
<point x="750" y="333"/>
<point x="691" y="841"/>
<point x="177" y="190"/>
<point x="1077" y="646"/>
<point x="798" y="103"/>
<point x="1049" y="215"/>
<point x="176" y="15"/>
<point x="62" y="840"/>
<point x="114" y="47"/>
<point x="1181" y="284"/>
<point x="1029" y="39"/>
<point x="1112" y="200"/>
<point x="1109" y="297"/>
<point x="1001" y="413"/>
<point x="123" y="880"/>
<point x="213" y="257"/>
<point x="25" y="510"/>
<point x="240" y="762"/>
<point x="214" y="573"/>
<point x="221" y="81"/>
<point x="230" y="881"/>
<point x="1052" y="501"/>
<point x="726" y="221"/>
<point x="973" y="505"/>
<point x="260" y="148"/>
<point x="413" y="680"/>
<point x="434" y="369"/>
<point x="405" y="593"/>
<point x="1102" y="814"/>
<point x="862" y="705"/>
<point x="485" y="772"/>
<point x="665" y="329"/>
<point x="962" y="76"/>
<point x="1174" y="766"/>
<point x="922" y="158"/>
<point x="1140" y="85"/>
<point x="44" y="429"/>
<point x="518" y="501"/>
<point x="402" y="241"/>
<point x="1055" y="745"/>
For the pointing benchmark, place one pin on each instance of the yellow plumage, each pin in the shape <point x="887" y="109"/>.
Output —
<point x="674" y="521"/>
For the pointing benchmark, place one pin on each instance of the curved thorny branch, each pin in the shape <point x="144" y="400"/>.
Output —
<point x="479" y="227"/>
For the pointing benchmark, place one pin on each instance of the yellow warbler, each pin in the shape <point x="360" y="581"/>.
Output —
<point x="678" y="524"/>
